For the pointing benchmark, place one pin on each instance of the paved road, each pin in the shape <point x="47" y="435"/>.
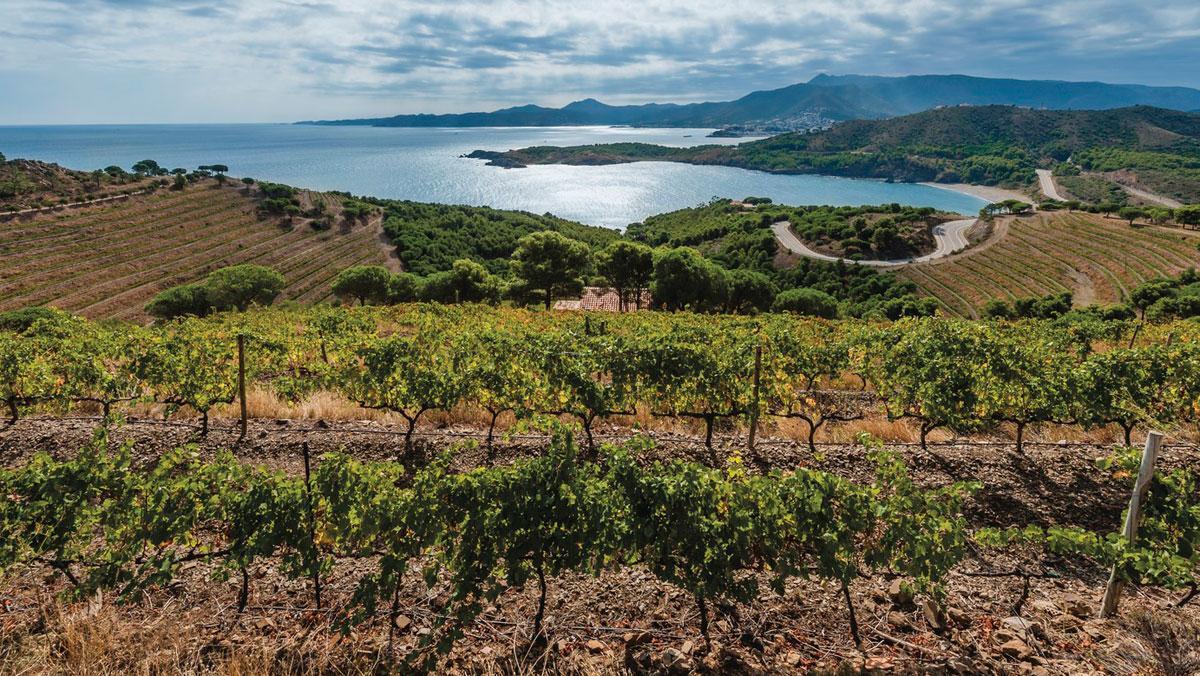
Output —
<point x="950" y="237"/>
<point x="1046" y="180"/>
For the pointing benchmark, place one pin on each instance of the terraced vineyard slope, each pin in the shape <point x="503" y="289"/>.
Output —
<point x="1098" y="259"/>
<point x="107" y="259"/>
<point x="33" y="185"/>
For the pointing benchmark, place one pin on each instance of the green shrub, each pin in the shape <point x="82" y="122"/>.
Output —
<point x="240" y="286"/>
<point x="180" y="301"/>
<point x="21" y="320"/>
<point x="806" y="302"/>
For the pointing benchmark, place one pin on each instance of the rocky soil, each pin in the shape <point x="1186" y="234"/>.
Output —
<point x="625" y="620"/>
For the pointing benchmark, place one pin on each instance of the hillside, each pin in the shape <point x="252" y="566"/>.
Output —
<point x="108" y="259"/>
<point x="430" y="237"/>
<point x="914" y="93"/>
<point x="816" y="103"/>
<point x="738" y="234"/>
<point x="989" y="145"/>
<point x="129" y="236"/>
<point x="31" y="184"/>
<point x="1096" y="259"/>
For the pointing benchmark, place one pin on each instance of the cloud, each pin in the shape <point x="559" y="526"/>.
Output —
<point x="162" y="60"/>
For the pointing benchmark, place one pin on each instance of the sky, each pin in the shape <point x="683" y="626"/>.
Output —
<point x="145" y="61"/>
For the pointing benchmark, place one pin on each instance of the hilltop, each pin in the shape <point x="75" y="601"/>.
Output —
<point x="133" y="234"/>
<point x="176" y="232"/>
<point x="989" y="145"/>
<point x="32" y="184"/>
<point x="738" y="234"/>
<point x="430" y="237"/>
<point x="107" y="259"/>
<point x="816" y="104"/>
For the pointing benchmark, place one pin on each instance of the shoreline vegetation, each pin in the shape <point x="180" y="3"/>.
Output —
<point x="990" y="193"/>
<point x="995" y="146"/>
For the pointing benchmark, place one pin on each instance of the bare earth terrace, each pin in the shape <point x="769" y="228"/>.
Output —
<point x="107" y="259"/>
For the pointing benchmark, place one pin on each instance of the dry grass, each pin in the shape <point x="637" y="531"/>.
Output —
<point x="172" y="636"/>
<point x="1169" y="643"/>
<point x="203" y="635"/>
<point x="105" y="645"/>
<point x="321" y="405"/>
<point x="331" y="406"/>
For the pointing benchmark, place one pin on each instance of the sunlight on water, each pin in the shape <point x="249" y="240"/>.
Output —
<point x="425" y="165"/>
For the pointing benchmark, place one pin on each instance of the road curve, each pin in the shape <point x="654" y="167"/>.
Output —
<point x="1046" y="181"/>
<point x="950" y="237"/>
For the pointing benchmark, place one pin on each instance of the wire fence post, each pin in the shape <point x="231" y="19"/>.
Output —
<point x="315" y="571"/>
<point x="241" y="348"/>
<point x="1112" y="594"/>
<point x="755" y="403"/>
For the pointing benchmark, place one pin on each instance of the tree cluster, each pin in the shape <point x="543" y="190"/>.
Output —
<point x="232" y="288"/>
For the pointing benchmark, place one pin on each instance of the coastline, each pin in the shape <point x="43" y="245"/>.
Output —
<point x="508" y="160"/>
<point x="990" y="193"/>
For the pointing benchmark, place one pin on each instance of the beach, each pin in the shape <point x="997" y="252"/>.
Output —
<point x="990" y="193"/>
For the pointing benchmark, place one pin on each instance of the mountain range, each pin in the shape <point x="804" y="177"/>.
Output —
<point x="817" y="103"/>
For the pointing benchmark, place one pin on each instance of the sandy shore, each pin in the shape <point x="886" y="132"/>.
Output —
<point x="985" y="192"/>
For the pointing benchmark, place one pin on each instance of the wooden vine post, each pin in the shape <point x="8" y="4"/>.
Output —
<point x="755" y="402"/>
<point x="1112" y="594"/>
<point x="312" y="523"/>
<point x="241" y="347"/>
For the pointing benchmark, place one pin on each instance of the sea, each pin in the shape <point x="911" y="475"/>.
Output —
<point x="426" y="164"/>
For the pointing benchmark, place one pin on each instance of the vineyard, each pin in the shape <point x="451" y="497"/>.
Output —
<point x="106" y="260"/>
<point x="1052" y="253"/>
<point x="410" y="360"/>
<point x="33" y="185"/>
<point x="409" y="558"/>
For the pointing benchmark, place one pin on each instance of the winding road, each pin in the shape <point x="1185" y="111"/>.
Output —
<point x="1151" y="197"/>
<point x="1046" y="181"/>
<point x="950" y="238"/>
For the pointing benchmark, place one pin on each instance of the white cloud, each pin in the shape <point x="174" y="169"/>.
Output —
<point x="152" y="60"/>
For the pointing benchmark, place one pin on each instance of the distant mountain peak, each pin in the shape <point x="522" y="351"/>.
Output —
<point x="822" y="100"/>
<point x="588" y="103"/>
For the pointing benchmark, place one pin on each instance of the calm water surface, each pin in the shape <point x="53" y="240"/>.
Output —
<point x="424" y="165"/>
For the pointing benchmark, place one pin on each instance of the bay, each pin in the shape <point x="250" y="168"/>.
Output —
<point x="424" y="164"/>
